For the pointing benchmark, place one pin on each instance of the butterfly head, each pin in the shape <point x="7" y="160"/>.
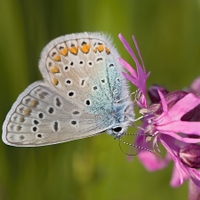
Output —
<point x="123" y="121"/>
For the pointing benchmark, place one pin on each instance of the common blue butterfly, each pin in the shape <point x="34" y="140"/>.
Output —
<point x="83" y="94"/>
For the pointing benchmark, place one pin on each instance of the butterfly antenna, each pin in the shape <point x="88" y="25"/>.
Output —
<point x="135" y="146"/>
<point x="140" y="134"/>
<point x="128" y="154"/>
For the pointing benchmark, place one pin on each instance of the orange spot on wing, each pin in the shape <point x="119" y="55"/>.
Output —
<point x="55" y="81"/>
<point x="107" y="50"/>
<point x="100" y="48"/>
<point x="34" y="103"/>
<point x="54" y="69"/>
<point x="74" y="50"/>
<point x="85" y="48"/>
<point x="27" y="111"/>
<point x="95" y="49"/>
<point x="57" y="57"/>
<point x="64" y="51"/>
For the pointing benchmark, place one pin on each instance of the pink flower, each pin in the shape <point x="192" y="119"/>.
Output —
<point x="171" y="120"/>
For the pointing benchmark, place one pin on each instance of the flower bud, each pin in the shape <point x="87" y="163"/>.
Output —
<point x="190" y="155"/>
<point x="153" y="93"/>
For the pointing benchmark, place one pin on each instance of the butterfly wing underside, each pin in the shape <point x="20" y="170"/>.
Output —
<point x="82" y="80"/>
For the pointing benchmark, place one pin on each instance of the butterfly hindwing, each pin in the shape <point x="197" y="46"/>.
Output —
<point x="40" y="117"/>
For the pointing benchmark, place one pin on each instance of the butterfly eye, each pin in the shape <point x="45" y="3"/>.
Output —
<point x="117" y="129"/>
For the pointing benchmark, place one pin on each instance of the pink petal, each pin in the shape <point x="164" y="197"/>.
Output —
<point x="178" y="177"/>
<point x="141" y="76"/>
<point x="194" y="191"/>
<point x="181" y="127"/>
<point x="128" y="67"/>
<point x="181" y="171"/>
<point x="128" y="48"/>
<point x="163" y="102"/>
<point x="183" y="106"/>
<point x="151" y="161"/>
<point x="169" y="122"/>
<point x="138" y="50"/>
<point x="131" y="79"/>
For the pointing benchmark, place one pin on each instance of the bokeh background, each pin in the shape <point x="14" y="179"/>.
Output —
<point x="168" y="34"/>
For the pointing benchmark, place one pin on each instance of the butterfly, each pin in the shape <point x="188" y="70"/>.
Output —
<point x="84" y="93"/>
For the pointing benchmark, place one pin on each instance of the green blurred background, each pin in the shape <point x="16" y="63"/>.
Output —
<point x="168" y="34"/>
